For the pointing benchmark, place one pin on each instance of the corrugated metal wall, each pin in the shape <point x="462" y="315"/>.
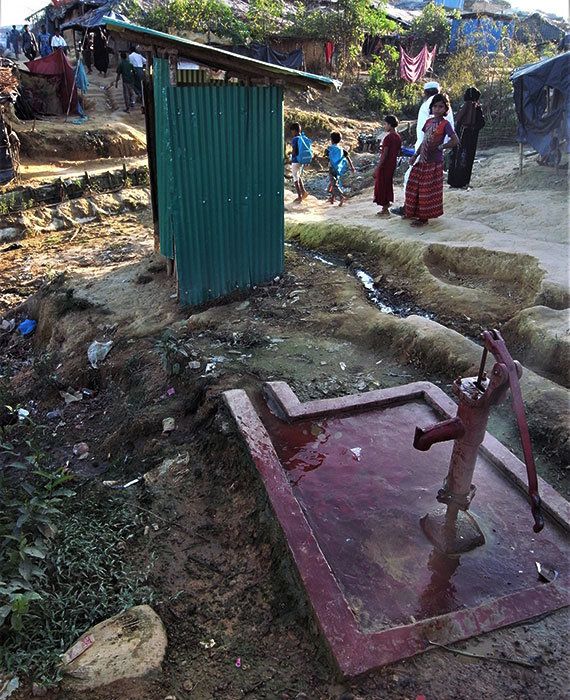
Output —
<point x="220" y="182"/>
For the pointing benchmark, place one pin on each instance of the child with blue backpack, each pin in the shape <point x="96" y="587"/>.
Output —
<point x="301" y="155"/>
<point x="339" y="163"/>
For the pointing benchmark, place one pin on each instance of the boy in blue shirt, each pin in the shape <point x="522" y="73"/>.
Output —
<point x="296" y="167"/>
<point x="339" y="162"/>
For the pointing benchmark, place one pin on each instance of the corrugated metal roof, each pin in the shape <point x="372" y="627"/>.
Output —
<point x="220" y="183"/>
<point x="398" y="14"/>
<point x="219" y="59"/>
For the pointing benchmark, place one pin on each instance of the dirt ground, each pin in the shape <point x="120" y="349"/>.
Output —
<point x="86" y="271"/>
<point x="219" y="573"/>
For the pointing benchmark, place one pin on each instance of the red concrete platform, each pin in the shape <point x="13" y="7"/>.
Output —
<point x="349" y="489"/>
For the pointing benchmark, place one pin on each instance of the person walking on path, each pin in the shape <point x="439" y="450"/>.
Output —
<point x="297" y="142"/>
<point x="14" y="41"/>
<point x="424" y="191"/>
<point x="58" y="42"/>
<point x="138" y="62"/>
<point x="44" y="38"/>
<point x="29" y="43"/>
<point x="384" y="174"/>
<point x="126" y="72"/>
<point x="339" y="162"/>
<point x="469" y="122"/>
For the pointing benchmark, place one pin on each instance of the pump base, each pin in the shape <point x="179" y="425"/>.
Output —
<point x="452" y="536"/>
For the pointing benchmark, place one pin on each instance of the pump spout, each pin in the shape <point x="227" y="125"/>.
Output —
<point x="451" y="429"/>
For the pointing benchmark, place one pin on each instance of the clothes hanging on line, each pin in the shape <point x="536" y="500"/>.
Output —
<point x="413" y="68"/>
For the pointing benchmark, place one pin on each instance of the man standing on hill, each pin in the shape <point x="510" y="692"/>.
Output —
<point x="44" y="38"/>
<point x="29" y="43"/>
<point x="138" y="62"/>
<point x="126" y="72"/>
<point x="58" y="42"/>
<point x="14" y="41"/>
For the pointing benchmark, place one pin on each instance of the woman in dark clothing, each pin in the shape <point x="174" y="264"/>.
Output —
<point x="468" y="122"/>
<point x="100" y="51"/>
<point x="29" y="43"/>
<point x="88" y="51"/>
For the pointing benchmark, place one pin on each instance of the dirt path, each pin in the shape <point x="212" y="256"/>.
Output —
<point x="496" y="214"/>
<point x="42" y="172"/>
<point x="219" y="572"/>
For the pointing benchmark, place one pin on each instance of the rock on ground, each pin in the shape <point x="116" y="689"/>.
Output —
<point x="128" y="645"/>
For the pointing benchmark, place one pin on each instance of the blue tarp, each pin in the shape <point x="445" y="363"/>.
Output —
<point x="94" y="18"/>
<point x="484" y="33"/>
<point x="542" y="103"/>
<point x="451" y="4"/>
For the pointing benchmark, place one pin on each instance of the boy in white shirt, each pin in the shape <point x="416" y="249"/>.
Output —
<point x="138" y="62"/>
<point x="58" y="42"/>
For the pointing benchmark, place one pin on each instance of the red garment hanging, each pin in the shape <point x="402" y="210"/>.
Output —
<point x="413" y="68"/>
<point x="329" y="50"/>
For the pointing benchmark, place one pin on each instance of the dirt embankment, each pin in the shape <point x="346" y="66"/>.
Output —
<point x="472" y="289"/>
<point x="66" y="142"/>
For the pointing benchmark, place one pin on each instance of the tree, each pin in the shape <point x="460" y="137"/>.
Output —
<point x="490" y="73"/>
<point x="264" y="18"/>
<point x="346" y="25"/>
<point x="431" y="27"/>
<point x="194" y="15"/>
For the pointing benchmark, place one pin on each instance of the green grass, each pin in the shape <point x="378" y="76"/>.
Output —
<point x="90" y="576"/>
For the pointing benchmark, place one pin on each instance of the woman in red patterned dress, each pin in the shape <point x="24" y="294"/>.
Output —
<point x="424" y="191"/>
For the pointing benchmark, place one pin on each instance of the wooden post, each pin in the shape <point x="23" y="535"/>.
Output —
<point x="150" y="124"/>
<point x="173" y="68"/>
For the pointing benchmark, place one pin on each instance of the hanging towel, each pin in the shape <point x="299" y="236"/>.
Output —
<point x="81" y="79"/>
<point x="413" y="68"/>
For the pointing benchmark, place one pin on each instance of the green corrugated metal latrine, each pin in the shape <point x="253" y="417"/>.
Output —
<point x="220" y="183"/>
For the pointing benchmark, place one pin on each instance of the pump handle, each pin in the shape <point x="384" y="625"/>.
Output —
<point x="495" y="344"/>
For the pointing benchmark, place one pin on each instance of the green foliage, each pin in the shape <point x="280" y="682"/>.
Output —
<point x="62" y="567"/>
<point x="490" y="74"/>
<point x="173" y="353"/>
<point x="346" y="25"/>
<point x="90" y="578"/>
<point x="386" y="91"/>
<point x="30" y="504"/>
<point x="431" y="27"/>
<point x="195" y="16"/>
<point x="263" y="18"/>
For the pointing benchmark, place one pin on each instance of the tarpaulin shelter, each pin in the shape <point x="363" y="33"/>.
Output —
<point x="542" y="103"/>
<point x="484" y="32"/>
<point x="215" y="150"/>
<point x="94" y="18"/>
<point x="263" y="52"/>
<point x="56" y="66"/>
